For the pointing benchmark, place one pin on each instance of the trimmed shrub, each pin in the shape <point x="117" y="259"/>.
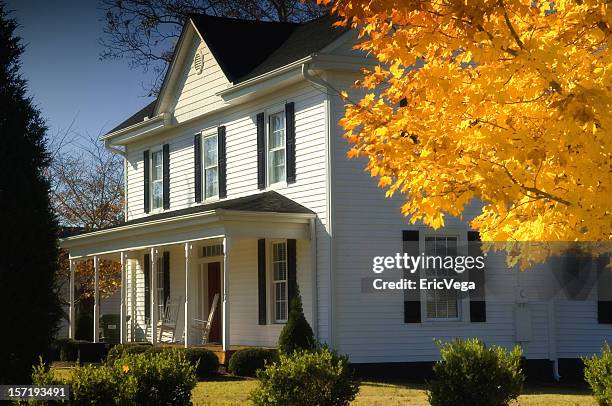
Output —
<point x="470" y="373"/>
<point x="119" y="350"/>
<point x="319" y="377"/>
<point x="297" y="334"/>
<point x="66" y="349"/>
<point x="166" y="378"/>
<point x="598" y="374"/>
<point x="92" y="385"/>
<point x="247" y="361"/>
<point x="151" y="379"/>
<point x="205" y="361"/>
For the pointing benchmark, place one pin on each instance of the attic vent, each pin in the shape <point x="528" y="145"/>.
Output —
<point x="198" y="61"/>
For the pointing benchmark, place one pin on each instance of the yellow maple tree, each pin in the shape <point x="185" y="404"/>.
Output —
<point x="505" y="101"/>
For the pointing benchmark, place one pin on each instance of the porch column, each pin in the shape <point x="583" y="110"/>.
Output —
<point x="96" y="315"/>
<point x="122" y="311"/>
<point x="226" y="269"/>
<point x="188" y="247"/>
<point x="153" y="275"/>
<point x="71" y="321"/>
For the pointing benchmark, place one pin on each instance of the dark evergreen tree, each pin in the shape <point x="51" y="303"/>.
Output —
<point x="297" y="334"/>
<point x="29" y="304"/>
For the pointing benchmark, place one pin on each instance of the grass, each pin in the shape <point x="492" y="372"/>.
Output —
<point x="230" y="391"/>
<point x="234" y="391"/>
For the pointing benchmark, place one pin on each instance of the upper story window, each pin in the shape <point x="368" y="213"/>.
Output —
<point x="276" y="148"/>
<point x="157" y="180"/>
<point x="211" y="165"/>
<point x="441" y="304"/>
<point x="279" y="282"/>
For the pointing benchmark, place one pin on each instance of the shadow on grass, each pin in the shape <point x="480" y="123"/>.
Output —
<point x="556" y="389"/>
<point x="225" y="378"/>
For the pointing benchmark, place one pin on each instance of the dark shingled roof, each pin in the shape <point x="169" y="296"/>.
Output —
<point x="246" y="49"/>
<point x="143" y="113"/>
<point x="267" y="202"/>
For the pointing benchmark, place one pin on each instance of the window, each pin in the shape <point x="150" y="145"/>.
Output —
<point x="160" y="296"/>
<point x="211" y="166"/>
<point x="279" y="281"/>
<point x="441" y="304"/>
<point x="276" y="148"/>
<point x="157" y="180"/>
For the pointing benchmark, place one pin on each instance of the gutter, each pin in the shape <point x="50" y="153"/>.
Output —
<point x="163" y="117"/>
<point x="264" y="76"/>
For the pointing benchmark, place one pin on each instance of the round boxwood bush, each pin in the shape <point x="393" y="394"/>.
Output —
<point x="320" y="377"/>
<point x="128" y="348"/>
<point x="247" y="361"/>
<point x="470" y="373"/>
<point x="598" y="374"/>
<point x="207" y="361"/>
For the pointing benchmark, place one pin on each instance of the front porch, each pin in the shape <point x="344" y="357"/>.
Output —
<point x="177" y="267"/>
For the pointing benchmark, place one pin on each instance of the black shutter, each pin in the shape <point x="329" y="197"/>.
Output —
<point x="197" y="164"/>
<point x="604" y="290"/>
<point x="261" y="280"/>
<point x="146" y="268"/>
<point x="147" y="181"/>
<point x="166" y="175"/>
<point x="478" y="305"/>
<point x="291" y="269"/>
<point x="290" y="134"/>
<point x="166" y="264"/>
<point x="261" y="152"/>
<point x="412" y="297"/>
<point x="222" y="162"/>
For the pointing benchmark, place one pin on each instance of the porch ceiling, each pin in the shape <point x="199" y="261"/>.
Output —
<point x="266" y="215"/>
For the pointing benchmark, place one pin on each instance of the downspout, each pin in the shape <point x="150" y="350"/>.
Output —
<point x="552" y="339"/>
<point x="123" y="153"/>
<point x="325" y="86"/>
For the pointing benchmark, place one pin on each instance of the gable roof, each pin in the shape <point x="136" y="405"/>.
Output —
<point x="246" y="49"/>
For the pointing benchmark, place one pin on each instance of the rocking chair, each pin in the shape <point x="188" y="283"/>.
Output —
<point x="203" y="326"/>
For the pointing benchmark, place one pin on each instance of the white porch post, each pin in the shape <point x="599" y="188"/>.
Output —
<point x="96" y="315"/>
<point x="122" y="311"/>
<point x="226" y="307"/>
<point x="188" y="247"/>
<point x="153" y="279"/>
<point x="71" y="321"/>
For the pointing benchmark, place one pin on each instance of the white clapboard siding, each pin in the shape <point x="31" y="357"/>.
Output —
<point x="195" y="93"/>
<point x="308" y="190"/>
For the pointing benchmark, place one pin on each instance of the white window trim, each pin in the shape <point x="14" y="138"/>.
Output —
<point x="462" y="305"/>
<point x="279" y="108"/>
<point x="204" y="135"/>
<point x="151" y="169"/>
<point x="272" y="298"/>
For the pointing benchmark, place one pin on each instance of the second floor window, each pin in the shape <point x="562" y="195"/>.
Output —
<point x="441" y="304"/>
<point x="157" y="180"/>
<point x="276" y="148"/>
<point x="211" y="166"/>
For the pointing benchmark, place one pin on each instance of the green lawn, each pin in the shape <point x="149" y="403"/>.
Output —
<point x="228" y="390"/>
<point x="234" y="391"/>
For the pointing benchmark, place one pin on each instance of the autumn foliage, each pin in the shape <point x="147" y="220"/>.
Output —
<point x="504" y="101"/>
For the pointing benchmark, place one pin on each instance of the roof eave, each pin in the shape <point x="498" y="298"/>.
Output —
<point x="135" y="130"/>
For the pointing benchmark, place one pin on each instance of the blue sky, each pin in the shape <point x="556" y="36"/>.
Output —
<point x="66" y="77"/>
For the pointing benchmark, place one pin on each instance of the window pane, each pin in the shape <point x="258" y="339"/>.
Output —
<point x="212" y="181"/>
<point x="157" y="193"/>
<point x="156" y="165"/>
<point x="277" y="166"/>
<point x="277" y="131"/>
<point x="210" y="151"/>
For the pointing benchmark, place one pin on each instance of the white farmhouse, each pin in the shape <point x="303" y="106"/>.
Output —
<point x="237" y="185"/>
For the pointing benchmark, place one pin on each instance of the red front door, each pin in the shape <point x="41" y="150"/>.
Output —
<point x="214" y="287"/>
